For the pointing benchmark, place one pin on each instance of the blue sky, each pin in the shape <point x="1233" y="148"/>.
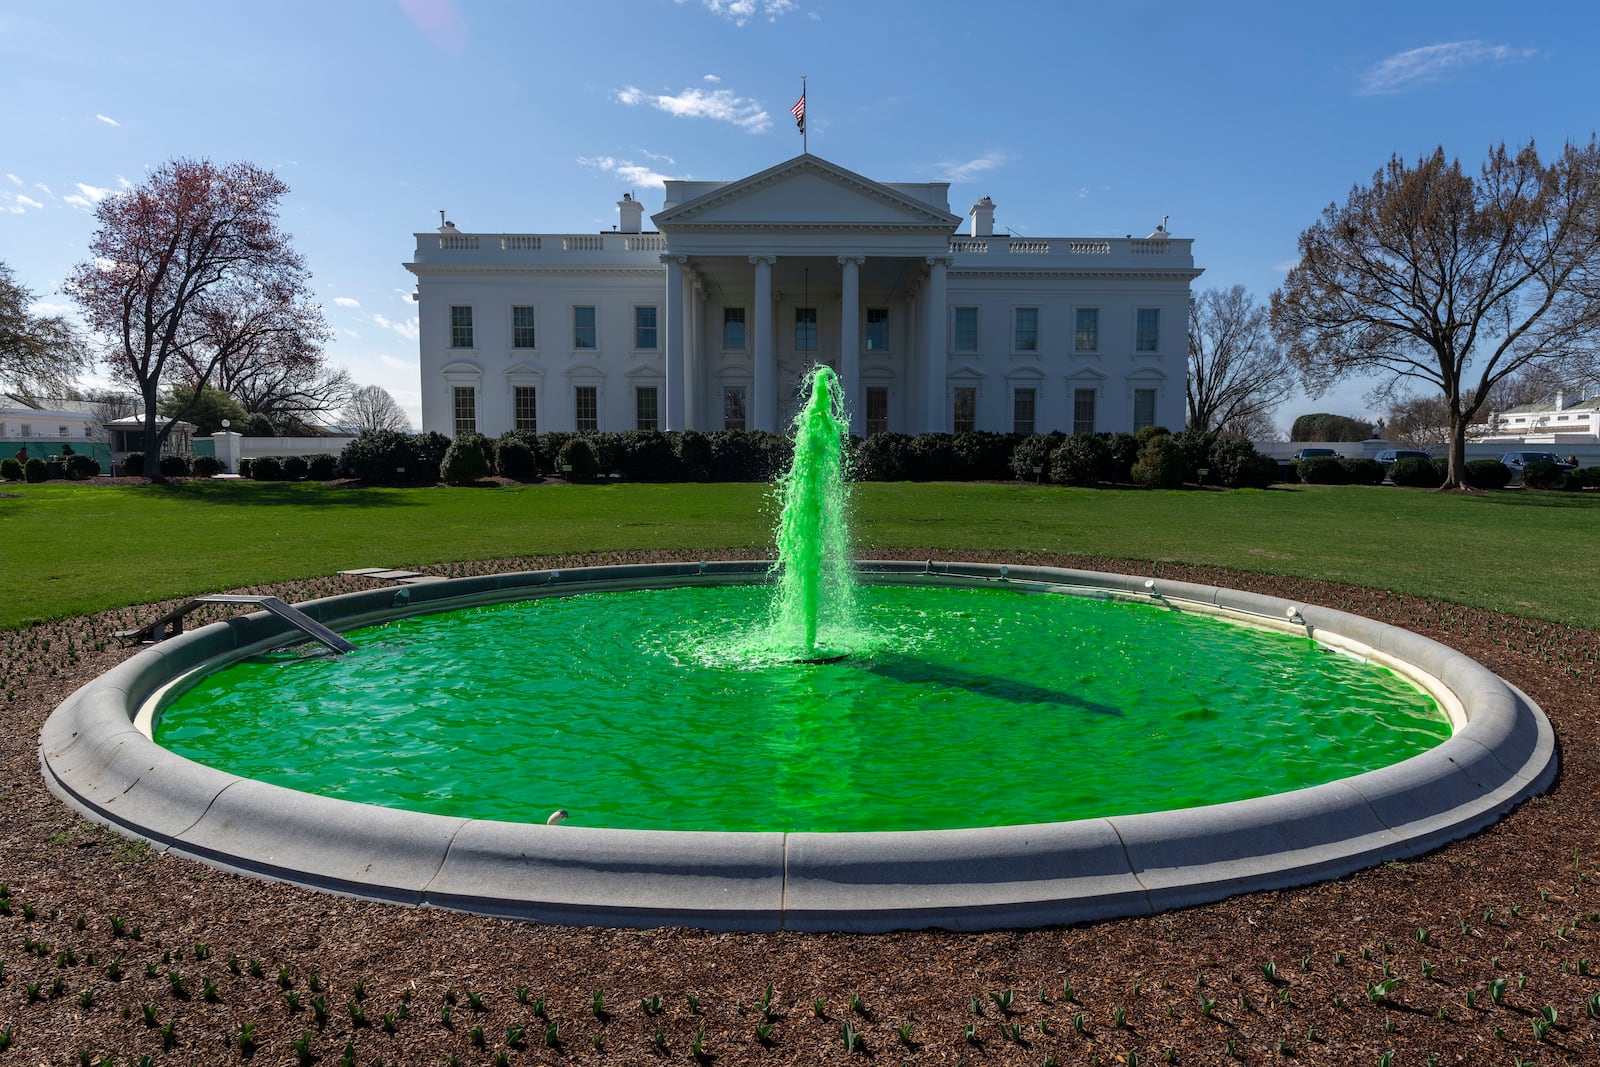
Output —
<point x="1239" y="121"/>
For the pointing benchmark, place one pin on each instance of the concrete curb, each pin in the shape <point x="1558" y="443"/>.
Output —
<point x="97" y="761"/>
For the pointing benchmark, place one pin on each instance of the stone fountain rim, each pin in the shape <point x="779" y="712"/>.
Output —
<point x="96" y="759"/>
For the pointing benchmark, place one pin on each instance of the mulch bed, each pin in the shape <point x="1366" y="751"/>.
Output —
<point x="120" y="954"/>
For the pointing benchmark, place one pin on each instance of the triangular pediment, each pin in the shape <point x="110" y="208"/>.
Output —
<point x="806" y="191"/>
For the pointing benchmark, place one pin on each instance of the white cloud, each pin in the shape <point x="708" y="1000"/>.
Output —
<point x="958" y="173"/>
<point x="406" y="328"/>
<point x="14" y="209"/>
<point x="718" y="104"/>
<point x="14" y="179"/>
<point x="108" y="120"/>
<point x="27" y="201"/>
<point x="645" y="152"/>
<point x="41" y="307"/>
<point x="45" y="189"/>
<point x="93" y="192"/>
<point x="347" y="301"/>
<point x="636" y="175"/>
<point x="79" y="202"/>
<point x="123" y="182"/>
<point x="712" y="78"/>
<point x="1421" y="66"/>
<point x="396" y="364"/>
<point x="354" y="335"/>
<point x="742" y="11"/>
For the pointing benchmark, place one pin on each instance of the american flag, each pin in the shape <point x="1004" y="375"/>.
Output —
<point x="799" y="111"/>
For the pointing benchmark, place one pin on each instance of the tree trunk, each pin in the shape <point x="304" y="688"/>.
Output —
<point x="1456" y="473"/>
<point x="152" y="442"/>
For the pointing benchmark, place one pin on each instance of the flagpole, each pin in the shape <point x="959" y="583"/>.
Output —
<point x="804" y="135"/>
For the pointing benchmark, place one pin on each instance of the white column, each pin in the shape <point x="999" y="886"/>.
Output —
<point x="935" y="356"/>
<point x="850" y="335"/>
<point x="764" y="404"/>
<point x="227" y="443"/>
<point x="675" y="331"/>
<point x="694" y="363"/>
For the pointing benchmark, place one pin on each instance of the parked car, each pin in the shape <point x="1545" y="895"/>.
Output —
<point x="1388" y="456"/>
<point x="1515" y="461"/>
<point x="1311" y="453"/>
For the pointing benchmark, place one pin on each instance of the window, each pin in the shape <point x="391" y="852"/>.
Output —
<point x="877" y="409"/>
<point x="1086" y="338"/>
<point x="1147" y="331"/>
<point x="644" y="407"/>
<point x="644" y="328"/>
<point x="805" y="329"/>
<point x="1144" y="408"/>
<point x="1025" y="330"/>
<point x="460" y="326"/>
<point x="1083" y="411"/>
<point x="525" y="408"/>
<point x="586" y="407"/>
<point x="733" y="329"/>
<point x="522" y="335"/>
<point x="583" y="335"/>
<point x="733" y="407"/>
<point x="466" y="409"/>
<point x="1022" y="404"/>
<point x="966" y="409"/>
<point x="966" y="338"/>
<point x="877" y="329"/>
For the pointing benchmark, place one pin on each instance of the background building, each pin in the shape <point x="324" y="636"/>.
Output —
<point x="710" y="321"/>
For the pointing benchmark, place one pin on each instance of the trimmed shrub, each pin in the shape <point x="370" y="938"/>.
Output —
<point x="133" y="465"/>
<point x="174" y="466"/>
<point x="776" y="451"/>
<point x="1322" y="470"/>
<point x="1416" y="472"/>
<point x="881" y="458"/>
<point x="982" y="456"/>
<point x="1588" y="477"/>
<point x="35" y="470"/>
<point x="1122" y="452"/>
<point x="246" y="467"/>
<point x="428" y="451"/>
<point x="388" y="457"/>
<point x="693" y="451"/>
<point x="580" y="456"/>
<point x="267" y="469"/>
<point x="1236" y="464"/>
<point x="1081" y="459"/>
<point x="1145" y="434"/>
<point x="1487" y="474"/>
<point x="646" y="456"/>
<point x="737" y="456"/>
<point x="10" y="470"/>
<point x="295" y="468"/>
<point x="1161" y="464"/>
<point x="930" y="457"/>
<point x="1197" y="447"/>
<point x="517" y="457"/>
<point x="1034" y="451"/>
<point x="550" y="446"/>
<point x="1360" y="470"/>
<point x="206" y="466"/>
<point x="79" y="466"/>
<point x="322" y="467"/>
<point x="464" y="462"/>
<point x="1542" y="474"/>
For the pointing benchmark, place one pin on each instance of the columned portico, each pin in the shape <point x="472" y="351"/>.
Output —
<point x="850" y="332"/>
<point x="934" y="347"/>
<point x="764" y="381"/>
<point x="676" y="340"/>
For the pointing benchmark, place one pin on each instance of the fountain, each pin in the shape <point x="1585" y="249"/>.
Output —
<point x="1016" y="865"/>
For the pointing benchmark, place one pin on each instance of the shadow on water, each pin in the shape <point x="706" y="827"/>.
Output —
<point x="301" y="494"/>
<point x="922" y="673"/>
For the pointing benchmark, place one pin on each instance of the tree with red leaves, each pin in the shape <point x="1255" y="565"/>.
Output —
<point x="189" y="271"/>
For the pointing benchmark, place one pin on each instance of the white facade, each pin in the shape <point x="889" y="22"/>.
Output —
<point x="711" y="321"/>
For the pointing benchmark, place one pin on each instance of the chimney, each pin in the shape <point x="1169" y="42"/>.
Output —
<point x="445" y="225"/>
<point x="632" y="213"/>
<point x="1561" y="400"/>
<point x="983" y="218"/>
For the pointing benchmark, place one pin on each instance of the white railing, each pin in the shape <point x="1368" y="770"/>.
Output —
<point x="1088" y="248"/>
<point x="1029" y="247"/>
<point x="1158" y="246"/>
<point x="450" y="242"/>
<point x="521" y="243"/>
<point x="583" y="243"/>
<point x="644" y="243"/>
<point x="969" y="244"/>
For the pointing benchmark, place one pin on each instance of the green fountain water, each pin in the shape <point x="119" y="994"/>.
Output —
<point x="814" y="606"/>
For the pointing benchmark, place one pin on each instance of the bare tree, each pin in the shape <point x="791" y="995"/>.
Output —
<point x="1237" y="372"/>
<point x="39" y="354"/>
<point x="286" y="379"/>
<point x="188" y="270"/>
<point x="372" y="408"/>
<point x="1418" y="422"/>
<point x="1442" y="281"/>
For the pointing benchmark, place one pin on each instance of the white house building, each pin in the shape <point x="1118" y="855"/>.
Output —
<point x="710" y="321"/>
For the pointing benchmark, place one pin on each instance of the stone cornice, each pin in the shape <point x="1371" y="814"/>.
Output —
<point x="1173" y="274"/>
<point x="839" y="175"/>
<point x="657" y="270"/>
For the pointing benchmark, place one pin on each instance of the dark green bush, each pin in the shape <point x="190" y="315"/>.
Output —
<point x="881" y="458"/>
<point x="1034" y="451"/>
<point x="1322" y="470"/>
<point x="389" y="457"/>
<point x="35" y="470"/>
<point x="1359" y="470"/>
<point x="429" y="449"/>
<point x="206" y="466"/>
<point x="577" y="461"/>
<point x="1227" y="462"/>
<point x="133" y="465"/>
<point x="1487" y="474"/>
<point x="246" y="467"/>
<point x="517" y="457"/>
<point x="550" y="446"/>
<point x="295" y="468"/>
<point x="80" y="466"/>
<point x="464" y="462"/>
<point x="1081" y="459"/>
<point x="1197" y="447"/>
<point x="982" y="456"/>
<point x="1161" y="464"/>
<point x="10" y="470"/>
<point x="1122" y="452"/>
<point x="1416" y="472"/>
<point x="267" y="469"/>
<point x="1588" y="477"/>
<point x="693" y="451"/>
<point x="930" y="457"/>
<point x="777" y="452"/>
<point x="646" y="456"/>
<point x="1542" y="474"/>
<point x="1145" y="434"/>
<point x="738" y="456"/>
<point x="174" y="466"/>
<point x="322" y="467"/>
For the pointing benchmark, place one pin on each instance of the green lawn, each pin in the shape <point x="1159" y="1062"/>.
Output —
<point x="71" y="548"/>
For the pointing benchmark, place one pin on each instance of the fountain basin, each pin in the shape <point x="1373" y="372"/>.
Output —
<point x="97" y="759"/>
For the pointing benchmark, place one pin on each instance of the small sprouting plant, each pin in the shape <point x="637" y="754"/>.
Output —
<point x="1269" y="971"/>
<point x="208" y="991"/>
<point x="651" y="1005"/>
<point x="764" y="1033"/>
<point x="1388" y="969"/>
<point x="857" y="1006"/>
<point x="175" y="983"/>
<point x="552" y="1034"/>
<point x="1003" y="1000"/>
<point x="1497" y="990"/>
<point x="1338" y="959"/>
<point x="851" y="1036"/>
<point x="1423" y="935"/>
<point x="1540" y="1028"/>
<point x="539" y="1009"/>
<point x="256" y="970"/>
<point x="475" y="1036"/>
<point x="202" y="951"/>
<point x="970" y="1034"/>
<point x="119" y="926"/>
<point x="358" y="1014"/>
<point x="522" y="994"/>
<point x="149" y="1013"/>
<point x="1522" y="981"/>
<point x="1388" y="1025"/>
<point x="819" y="1008"/>
<point x="1386" y="1059"/>
<point x="474" y="1000"/>
<point x="693" y="1002"/>
<point x="1591" y="1007"/>
<point x="247" y="1038"/>
<point x="516" y="1037"/>
<point x="1429" y="969"/>
<point x="285" y="978"/>
<point x="597" y="1004"/>
<point x="1080" y="1023"/>
<point x="292" y="999"/>
<point x="658" y="1039"/>
<point x="444" y="1017"/>
<point x="1377" y="991"/>
<point x="1066" y="992"/>
<point x="302" y="1048"/>
<point x="903" y="1032"/>
<point x="347" y="1058"/>
<point x="697" y="1046"/>
<point x="976" y="1005"/>
<point x="1244" y="1002"/>
<point x="359" y="990"/>
<point x="1119" y="1017"/>
<point x="319" y="1009"/>
<point x="388" y="1023"/>
<point x="169" y="1034"/>
<point x="86" y="998"/>
<point x="1207" y="1005"/>
<point x="1472" y="999"/>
